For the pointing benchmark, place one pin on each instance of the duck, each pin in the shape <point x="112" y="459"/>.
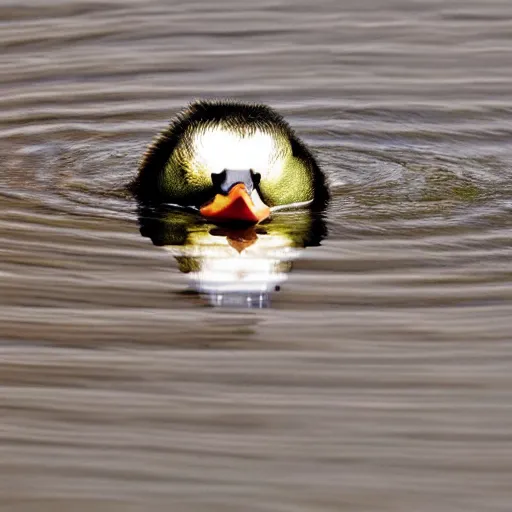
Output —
<point x="231" y="162"/>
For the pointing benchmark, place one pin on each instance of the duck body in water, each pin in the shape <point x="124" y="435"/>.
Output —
<point x="232" y="162"/>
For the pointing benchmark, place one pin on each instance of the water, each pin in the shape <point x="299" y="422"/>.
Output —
<point x="378" y="376"/>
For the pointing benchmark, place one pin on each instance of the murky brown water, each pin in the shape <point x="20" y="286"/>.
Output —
<point x="380" y="376"/>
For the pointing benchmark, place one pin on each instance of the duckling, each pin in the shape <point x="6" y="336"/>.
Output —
<point x="232" y="162"/>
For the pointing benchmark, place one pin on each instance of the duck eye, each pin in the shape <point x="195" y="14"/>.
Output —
<point x="256" y="178"/>
<point x="218" y="178"/>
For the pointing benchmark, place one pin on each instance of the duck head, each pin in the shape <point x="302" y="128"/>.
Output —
<point x="231" y="162"/>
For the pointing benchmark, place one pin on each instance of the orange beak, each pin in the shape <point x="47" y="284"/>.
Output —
<point x="238" y="205"/>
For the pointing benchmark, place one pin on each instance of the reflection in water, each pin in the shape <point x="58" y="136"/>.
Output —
<point x="233" y="266"/>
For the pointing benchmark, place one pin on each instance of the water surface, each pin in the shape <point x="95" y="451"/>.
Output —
<point x="379" y="377"/>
